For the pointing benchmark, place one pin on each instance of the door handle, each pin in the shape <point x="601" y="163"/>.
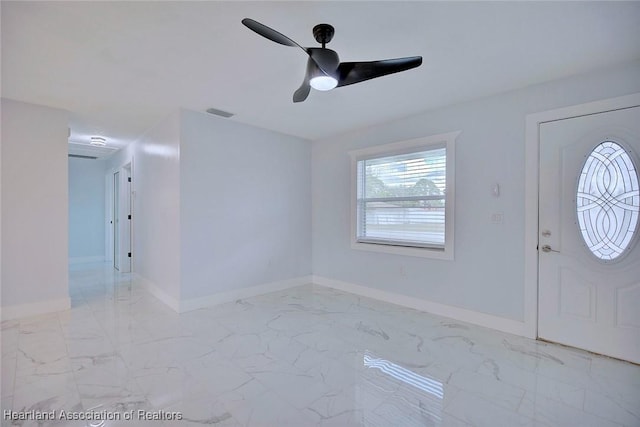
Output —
<point x="547" y="248"/>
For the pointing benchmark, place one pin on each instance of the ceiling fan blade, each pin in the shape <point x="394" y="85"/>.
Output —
<point x="325" y="59"/>
<point x="303" y="91"/>
<point x="269" y="33"/>
<point x="355" y="72"/>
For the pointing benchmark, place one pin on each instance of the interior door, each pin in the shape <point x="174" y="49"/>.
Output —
<point x="116" y="220"/>
<point x="589" y="259"/>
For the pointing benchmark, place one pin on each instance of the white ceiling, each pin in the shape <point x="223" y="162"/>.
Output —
<point x="120" y="67"/>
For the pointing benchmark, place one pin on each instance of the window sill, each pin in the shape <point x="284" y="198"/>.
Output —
<point x="433" y="253"/>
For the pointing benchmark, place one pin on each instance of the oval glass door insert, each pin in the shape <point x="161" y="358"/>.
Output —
<point x="608" y="201"/>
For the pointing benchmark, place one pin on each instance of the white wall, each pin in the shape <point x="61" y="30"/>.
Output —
<point x="245" y="206"/>
<point x="86" y="209"/>
<point x="155" y="159"/>
<point x="34" y="209"/>
<point x="487" y="275"/>
<point x="220" y="208"/>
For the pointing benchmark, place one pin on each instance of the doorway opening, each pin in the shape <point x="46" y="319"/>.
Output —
<point x="121" y="229"/>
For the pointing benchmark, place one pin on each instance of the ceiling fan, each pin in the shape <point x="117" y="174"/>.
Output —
<point x="324" y="69"/>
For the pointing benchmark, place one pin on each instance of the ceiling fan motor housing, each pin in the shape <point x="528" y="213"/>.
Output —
<point x="323" y="33"/>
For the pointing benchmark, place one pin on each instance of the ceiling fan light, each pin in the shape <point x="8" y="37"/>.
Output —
<point x="323" y="83"/>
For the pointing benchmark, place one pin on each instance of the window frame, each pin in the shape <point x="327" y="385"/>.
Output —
<point x="446" y="140"/>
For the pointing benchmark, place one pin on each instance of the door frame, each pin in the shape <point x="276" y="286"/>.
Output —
<point x="532" y="168"/>
<point x="126" y="211"/>
<point x="126" y="207"/>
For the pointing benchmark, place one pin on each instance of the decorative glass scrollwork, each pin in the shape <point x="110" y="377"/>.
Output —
<point x="608" y="201"/>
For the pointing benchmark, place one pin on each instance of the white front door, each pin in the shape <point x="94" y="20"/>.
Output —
<point x="589" y="259"/>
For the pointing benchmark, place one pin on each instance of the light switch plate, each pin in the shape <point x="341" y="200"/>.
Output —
<point x="497" y="218"/>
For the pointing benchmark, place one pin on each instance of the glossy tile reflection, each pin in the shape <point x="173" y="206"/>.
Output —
<point x="308" y="356"/>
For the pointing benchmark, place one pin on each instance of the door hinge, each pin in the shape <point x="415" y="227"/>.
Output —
<point x="129" y="179"/>
<point x="128" y="216"/>
<point x="129" y="254"/>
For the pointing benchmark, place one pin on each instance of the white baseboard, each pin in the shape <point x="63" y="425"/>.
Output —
<point x="461" y="314"/>
<point x="221" y="297"/>
<point x="160" y="294"/>
<point x="457" y="313"/>
<point x="86" y="259"/>
<point x="35" y="309"/>
<point x="236" y="294"/>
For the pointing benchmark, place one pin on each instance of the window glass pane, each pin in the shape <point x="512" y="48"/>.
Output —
<point x="421" y="173"/>
<point x="608" y="201"/>
<point x="390" y="221"/>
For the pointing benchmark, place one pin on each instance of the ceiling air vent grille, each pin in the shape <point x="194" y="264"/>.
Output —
<point x="78" y="156"/>
<point x="220" y="113"/>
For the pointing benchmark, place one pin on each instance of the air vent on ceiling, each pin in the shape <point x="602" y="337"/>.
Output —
<point x="220" y="113"/>
<point x="77" y="156"/>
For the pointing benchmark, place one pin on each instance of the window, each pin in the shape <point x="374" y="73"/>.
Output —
<point x="403" y="197"/>
<point x="608" y="201"/>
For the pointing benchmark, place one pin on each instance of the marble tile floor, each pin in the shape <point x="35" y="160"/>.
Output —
<point x="308" y="356"/>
